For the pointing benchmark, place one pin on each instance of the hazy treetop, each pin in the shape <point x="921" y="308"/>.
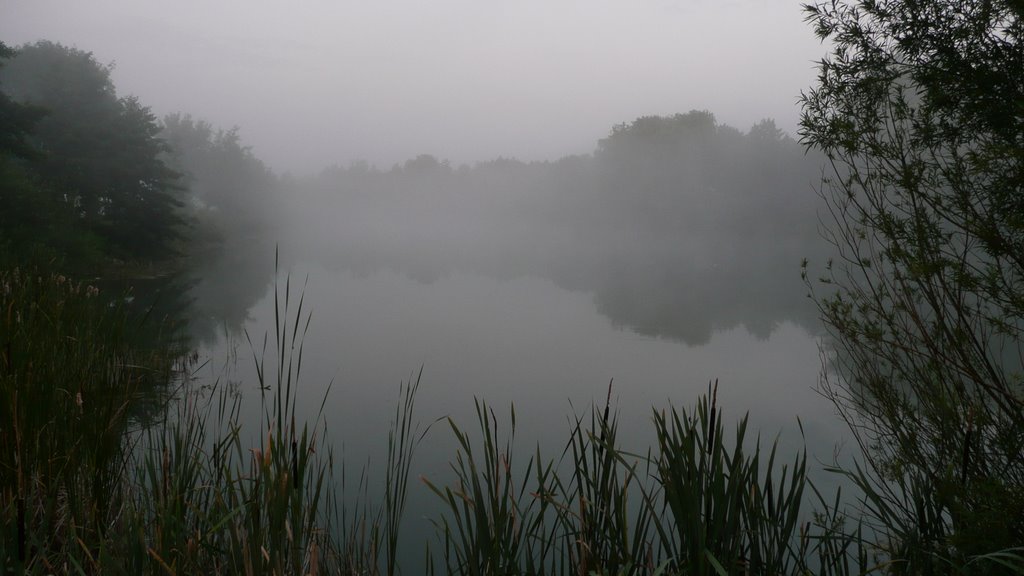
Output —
<point x="322" y="82"/>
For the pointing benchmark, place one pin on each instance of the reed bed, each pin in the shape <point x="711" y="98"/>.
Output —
<point x="695" y="504"/>
<point x="698" y="503"/>
<point x="70" y="381"/>
<point x="94" y="480"/>
<point x="86" y="488"/>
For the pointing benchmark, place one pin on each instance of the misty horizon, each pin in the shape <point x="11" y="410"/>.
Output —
<point x="330" y="84"/>
<point x="691" y="286"/>
<point x="522" y="254"/>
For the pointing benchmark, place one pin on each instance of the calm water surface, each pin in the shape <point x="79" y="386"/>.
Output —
<point x="522" y="341"/>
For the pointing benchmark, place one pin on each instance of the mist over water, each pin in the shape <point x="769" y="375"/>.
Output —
<point x="595" y="223"/>
<point x="676" y="227"/>
<point x="597" y="238"/>
<point x="665" y="259"/>
<point x="661" y="256"/>
<point x="341" y="81"/>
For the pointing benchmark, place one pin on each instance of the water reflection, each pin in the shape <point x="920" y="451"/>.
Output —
<point x="223" y="286"/>
<point x="523" y="341"/>
<point x="668" y="258"/>
<point x="676" y="227"/>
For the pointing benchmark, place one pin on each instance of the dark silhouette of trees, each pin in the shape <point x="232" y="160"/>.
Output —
<point x="230" y="192"/>
<point x="920" y="109"/>
<point x="99" y="154"/>
<point x="30" y="214"/>
<point x="233" y="203"/>
<point x="679" y="226"/>
<point x="16" y="120"/>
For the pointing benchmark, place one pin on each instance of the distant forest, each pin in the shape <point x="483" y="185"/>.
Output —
<point x="92" y="178"/>
<point x="677" y="225"/>
<point x="906" y="192"/>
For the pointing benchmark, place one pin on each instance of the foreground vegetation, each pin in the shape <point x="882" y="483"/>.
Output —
<point x="919" y="113"/>
<point x="111" y="461"/>
<point x="85" y="487"/>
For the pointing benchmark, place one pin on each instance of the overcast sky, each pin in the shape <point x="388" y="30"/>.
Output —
<point x="319" y="82"/>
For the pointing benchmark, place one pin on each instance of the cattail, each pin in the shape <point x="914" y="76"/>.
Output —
<point x="21" y="530"/>
<point x="295" y="465"/>
<point x="166" y="472"/>
<point x="711" y="422"/>
<point x="314" y="558"/>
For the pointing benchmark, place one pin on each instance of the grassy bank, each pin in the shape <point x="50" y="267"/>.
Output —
<point x="95" y="481"/>
<point x="72" y="381"/>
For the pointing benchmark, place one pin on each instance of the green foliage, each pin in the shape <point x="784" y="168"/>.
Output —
<point x="16" y="120"/>
<point x="700" y="504"/>
<point x="36" y="226"/>
<point x="31" y="217"/>
<point x="598" y="504"/>
<point x="723" y="514"/>
<point x="84" y="490"/>
<point x="231" y="194"/>
<point x="99" y="154"/>
<point x="493" y="524"/>
<point x="919" y="109"/>
<point x="71" y="375"/>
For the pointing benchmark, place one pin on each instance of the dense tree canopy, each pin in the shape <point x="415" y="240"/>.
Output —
<point x="920" y="108"/>
<point x="233" y="204"/>
<point x="16" y="120"/>
<point x="678" y="225"/>
<point x="29" y="214"/>
<point x="99" y="154"/>
<point x="230" y="192"/>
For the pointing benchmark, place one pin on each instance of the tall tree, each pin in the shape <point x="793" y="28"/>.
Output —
<point x="920" y="108"/>
<point x="30" y="215"/>
<point x="233" y="195"/>
<point x="16" y="120"/>
<point x="101" y="153"/>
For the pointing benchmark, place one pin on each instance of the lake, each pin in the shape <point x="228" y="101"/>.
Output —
<point x="522" y="340"/>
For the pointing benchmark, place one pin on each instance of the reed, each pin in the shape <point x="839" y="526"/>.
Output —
<point x="70" y="375"/>
<point x="697" y="504"/>
<point x="212" y="503"/>
<point x="720" y="514"/>
<point x="84" y="489"/>
<point x="494" y="524"/>
<point x="92" y="481"/>
<point x="606" y="527"/>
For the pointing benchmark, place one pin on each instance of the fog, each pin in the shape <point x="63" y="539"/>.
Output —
<point x="677" y="226"/>
<point x="638" y="155"/>
<point x="321" y="83"/>
<point x="559" y="140"/>
<point x="527" y="200"/>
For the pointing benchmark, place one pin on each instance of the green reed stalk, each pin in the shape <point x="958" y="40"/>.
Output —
<point x="493" y="523"/>
<point x="70" y="373"/>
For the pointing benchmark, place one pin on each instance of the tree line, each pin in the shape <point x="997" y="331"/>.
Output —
<point x="677" y="225"/>
<point x="917" y="112"/>
<point x="94" y="178"/>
